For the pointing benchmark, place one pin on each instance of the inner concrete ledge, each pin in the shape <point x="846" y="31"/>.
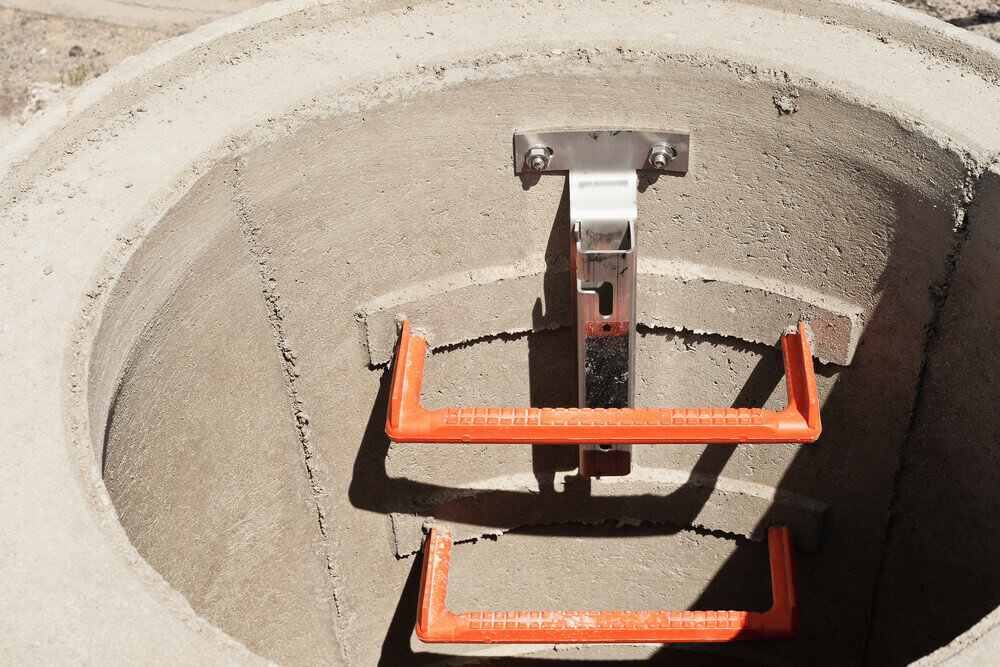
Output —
<point x="656" y="495"/>
<point x="677" y="295"/>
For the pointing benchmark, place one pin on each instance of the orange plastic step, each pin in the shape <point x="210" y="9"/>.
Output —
<point x="408" y="421"/>
<point x="436" y="624"/>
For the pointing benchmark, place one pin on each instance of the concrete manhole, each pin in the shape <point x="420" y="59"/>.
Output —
<point x="206" y="250"/>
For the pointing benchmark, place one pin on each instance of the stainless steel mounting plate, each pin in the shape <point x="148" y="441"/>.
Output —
<point x="617" y="150"/>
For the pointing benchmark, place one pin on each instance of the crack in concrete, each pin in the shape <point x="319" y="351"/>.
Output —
<point x="288" y="358"/>
<point x="939" y="296"/>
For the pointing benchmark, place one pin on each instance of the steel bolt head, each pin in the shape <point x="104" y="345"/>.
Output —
<point x="537" y="158"/>
<point x="661" y="155"/>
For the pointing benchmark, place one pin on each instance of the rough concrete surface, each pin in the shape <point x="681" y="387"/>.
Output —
<point x="49" y="47"/>
<point x="446" y="307"/>
<point x="250" y="510"/>
<point x="949" y="472"/>
<point x="203" y="330"/>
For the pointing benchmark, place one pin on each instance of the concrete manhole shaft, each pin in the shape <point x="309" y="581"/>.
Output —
<point x="205" y="251"/>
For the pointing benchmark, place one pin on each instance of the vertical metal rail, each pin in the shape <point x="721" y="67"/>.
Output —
<point x="603" y="211"/>
<point x="602" y="168"/>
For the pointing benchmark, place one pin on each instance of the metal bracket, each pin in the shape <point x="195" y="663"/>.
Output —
<point x="602" y="167"/>
<point x="610" y="150"/>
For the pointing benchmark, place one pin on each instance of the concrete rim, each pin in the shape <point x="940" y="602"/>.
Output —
<point x="65" y="309"/>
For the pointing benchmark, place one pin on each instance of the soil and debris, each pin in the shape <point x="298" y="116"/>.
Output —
<point x="979" y="16"/>
<point x="43" y="56"/>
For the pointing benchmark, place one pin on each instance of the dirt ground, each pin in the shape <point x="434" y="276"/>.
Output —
<point x="979" y="16"/>
<point x="44" y="53"/>
<point x="35" y="49"/>
<point x="41" y="56"/>
<point x="62" y="45"/>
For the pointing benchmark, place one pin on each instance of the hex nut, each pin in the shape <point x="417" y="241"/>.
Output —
<point x="660" y="155"/>
<point x="537" y="158"/>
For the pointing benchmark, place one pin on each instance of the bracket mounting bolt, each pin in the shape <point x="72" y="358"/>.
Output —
<point x="660" y="155"/>
<point x="537" y="158"/>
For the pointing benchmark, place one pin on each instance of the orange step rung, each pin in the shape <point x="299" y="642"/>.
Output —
<point x="408" y="421"/>
<point x="436" y="624"/>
